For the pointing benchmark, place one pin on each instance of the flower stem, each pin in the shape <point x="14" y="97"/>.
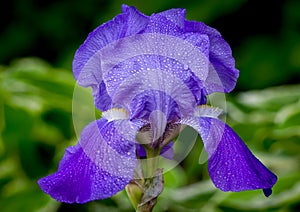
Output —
<point x="148" y="183"/>
<point x="152" y="163"/>
<point x="152" y="188"/>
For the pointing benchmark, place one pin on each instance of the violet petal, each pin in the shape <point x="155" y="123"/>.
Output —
<point x="231" y="165"/>
<point x="220" y="56"/>
<point x="87" y="63"/>
<point x="136" y="21"/>
<point x="130" y="22"/>
<point x="156" y="80"/>
<point x="130" y="69"/>
<point x="152" y="100"/>
<point x="177" y="16"/>
<point x="162" y="25"/>
<point x="93" y="169"/>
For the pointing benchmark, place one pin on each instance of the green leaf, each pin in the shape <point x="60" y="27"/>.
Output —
<point x="27" y="201"/>
<point x="2" y="124"/>
<point x="270" y="99"/>
<point x="32" y="85"/>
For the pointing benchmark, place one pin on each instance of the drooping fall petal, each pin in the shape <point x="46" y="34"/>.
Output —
<point x="99" y="166"/>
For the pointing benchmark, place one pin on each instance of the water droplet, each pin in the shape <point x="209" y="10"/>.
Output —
<point x="186" y="67"/>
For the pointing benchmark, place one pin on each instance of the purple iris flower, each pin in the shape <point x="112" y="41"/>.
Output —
<point x="150" y="75"/>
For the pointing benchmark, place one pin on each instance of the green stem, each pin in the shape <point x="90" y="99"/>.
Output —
<point x="152" y="162"/>
<point x="147" y="184"/>
<point x="153" y="183"/>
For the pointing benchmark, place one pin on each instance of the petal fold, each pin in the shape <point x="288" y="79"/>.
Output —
<point x="99" y="166"/>
<point x="87" y="60"/>
<point x="154" y="83"/>
<point x="177" y="16"/>
<point x="130" y="22"/>
<point x="201" y="50"/>
<point x="147" y="102"/>
<point x="222" y="75"/>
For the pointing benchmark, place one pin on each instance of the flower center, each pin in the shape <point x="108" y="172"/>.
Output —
<point x="115" y="114"/>
<point x="208" y="111"/>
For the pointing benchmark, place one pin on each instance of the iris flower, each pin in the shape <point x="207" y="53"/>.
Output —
<point x="151" y="75"/>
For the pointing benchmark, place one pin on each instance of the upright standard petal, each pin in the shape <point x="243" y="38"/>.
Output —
<point x="129" y="38"/>
<point x="223" y="75"/>
<point x="136" y="20"/>
<point x="231" y="165"/>
<point x="130" y="22"/>
<point x="177" y="16"/>
<point x="96" y="168"/>
<point x="87" y="60"/>
<point x="154" y="82"/>
<point x="177" y="70"/>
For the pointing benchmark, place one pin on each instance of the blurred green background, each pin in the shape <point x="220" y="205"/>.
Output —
<point x="37" y="42"/>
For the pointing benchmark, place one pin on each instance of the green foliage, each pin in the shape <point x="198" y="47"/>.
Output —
<point x="36" y="108"/>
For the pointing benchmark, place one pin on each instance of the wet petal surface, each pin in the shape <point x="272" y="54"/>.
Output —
<point x="231" y="165"/>
<point x="222" y="75"/>
<point x="101" y="165"/>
